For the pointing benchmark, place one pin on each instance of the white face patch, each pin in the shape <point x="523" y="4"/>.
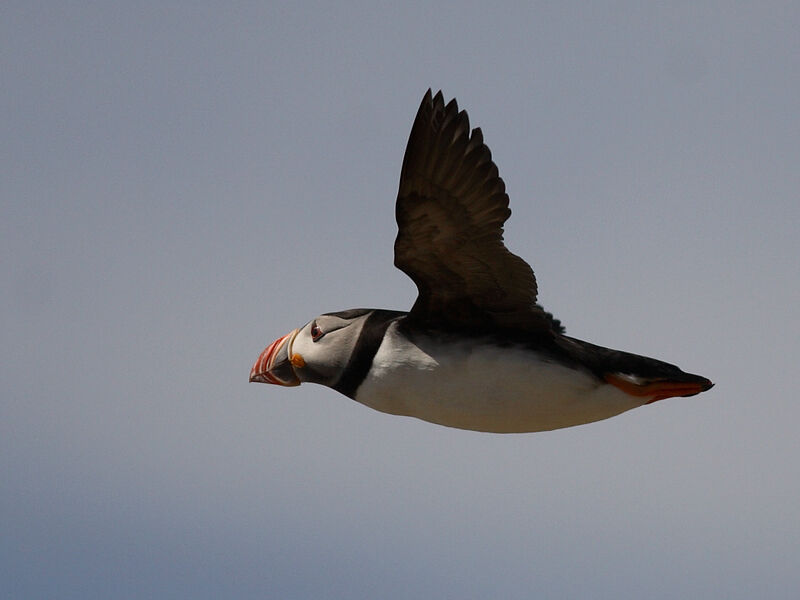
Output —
<point x="326" y="352"/>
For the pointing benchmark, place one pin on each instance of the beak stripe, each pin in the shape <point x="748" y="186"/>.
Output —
<point x="262" y="369"/>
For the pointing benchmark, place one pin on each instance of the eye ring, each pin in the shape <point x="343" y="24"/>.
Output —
<point x="316" y="332"/>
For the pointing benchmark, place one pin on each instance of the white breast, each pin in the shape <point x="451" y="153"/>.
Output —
<point x="485" y="388"/>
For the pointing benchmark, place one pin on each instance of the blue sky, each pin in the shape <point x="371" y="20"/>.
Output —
<point x="181" y="184"/>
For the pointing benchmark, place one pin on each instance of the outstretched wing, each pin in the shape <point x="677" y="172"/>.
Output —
<point x="450" y="213"/>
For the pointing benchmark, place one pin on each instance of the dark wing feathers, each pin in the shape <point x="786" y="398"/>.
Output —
<point x="450" y="213"/>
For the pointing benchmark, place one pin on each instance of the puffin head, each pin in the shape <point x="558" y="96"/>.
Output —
<point x="317" y="352"/>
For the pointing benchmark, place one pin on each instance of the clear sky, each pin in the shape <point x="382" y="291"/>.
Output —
<point x="181" y="183"/>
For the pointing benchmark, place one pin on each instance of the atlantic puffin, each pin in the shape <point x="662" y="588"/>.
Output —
<point x="476" y="351"/>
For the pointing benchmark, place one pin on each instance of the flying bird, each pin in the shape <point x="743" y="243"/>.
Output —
<point x="475" y="351"/>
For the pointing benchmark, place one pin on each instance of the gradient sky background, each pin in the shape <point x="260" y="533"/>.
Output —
<point x="183" y="183"/>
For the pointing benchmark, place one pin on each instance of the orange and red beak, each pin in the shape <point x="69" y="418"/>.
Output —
<point x="274" y="365"/>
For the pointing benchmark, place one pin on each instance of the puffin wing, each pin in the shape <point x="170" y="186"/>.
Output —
<point x="450" y="211"/>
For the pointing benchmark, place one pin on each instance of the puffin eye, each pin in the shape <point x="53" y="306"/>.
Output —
<point x="316" y="332"/>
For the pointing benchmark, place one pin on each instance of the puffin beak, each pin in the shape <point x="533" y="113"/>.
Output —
<point x="275" y="365"/>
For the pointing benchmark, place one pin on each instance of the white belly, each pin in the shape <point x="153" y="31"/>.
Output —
<point x="484" y="388"/>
